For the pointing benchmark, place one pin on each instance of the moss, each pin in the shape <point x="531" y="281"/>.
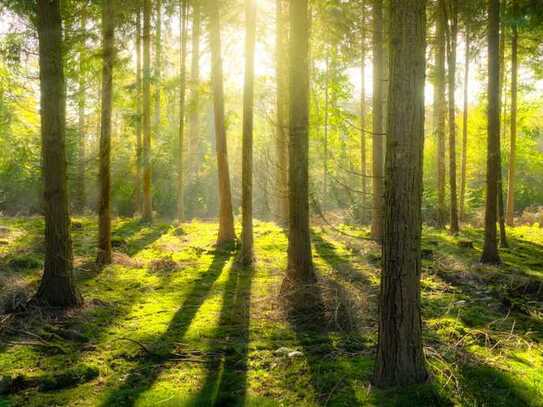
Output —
<point x="177" y="294"/>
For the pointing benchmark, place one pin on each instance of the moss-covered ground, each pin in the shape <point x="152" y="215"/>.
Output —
<point x="175" y="322"/>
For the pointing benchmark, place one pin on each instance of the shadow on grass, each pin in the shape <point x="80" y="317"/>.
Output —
<point x="226" y="380"/>
<point x="331" y="380"/>
<point x="488" y="386"/>
<point x="145" y="373"/>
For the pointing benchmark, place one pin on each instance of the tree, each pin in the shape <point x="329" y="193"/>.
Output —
<point x="183" y="21"/>
<point x="300" y="262"/>
<point x="451" y="13"/>
<point x="147" y="200"/>
<point x="378" y="128"/>
<point x="226" y="218"/>
<point x="363" y="154"/>
<point x="439" y="112"/>
<point x="490" y="249"/>
<point x="514" y="101"/>
<point x="104" y="204"/>
<point x="80" y="195"/>
<point x="57" y="286"/>
<point x="247" y="253"/>
<point x="400" y="358"/>
<point x="138" y="195"/>
<point x="463" y="165"/>
<point x="281" y="144"/>
<point x="194" y="120"/>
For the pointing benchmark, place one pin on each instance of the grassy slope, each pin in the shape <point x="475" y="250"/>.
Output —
<point x="172" y="292"/>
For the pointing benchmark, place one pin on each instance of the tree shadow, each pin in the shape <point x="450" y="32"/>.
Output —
<point x="331" y="380"/>
<point x="488" y="386"/>
<point x="142" y="376"/>
<point x="226" y="379"/>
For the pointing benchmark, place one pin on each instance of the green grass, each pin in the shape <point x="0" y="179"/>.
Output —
<point x="215" y="332"/>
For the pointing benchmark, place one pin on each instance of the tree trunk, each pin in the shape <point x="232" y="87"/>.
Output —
<point x="490" y="248"/>
<point x="226" y="218"/>
<point x="104" y="203"/>
<point x="183" y="21"/>
<point x="363" y="153"/>
<point x="514" y="100"/>
<point x="81" y="159"/>
<point x="378" y="128"/>
<point x="57" y="287"/>
<point x="300" y="263"/>
<point x="194" y="120"/>
<point x="158" y="70"/>
<point x="503" y="98"/>
<point x="147" y="199"/>
<point x="465" y="131"/>
<point x="282" y="113"/>
<point x="452" y="34"/>
<point x="247" y="254"/>
<point x="137" y="189"/>
<point x="400" y="358"/>
<point x="439" y="112"/>
<point x="326" y="116"/>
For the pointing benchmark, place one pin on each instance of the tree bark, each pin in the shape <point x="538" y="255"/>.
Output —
<point x="147" y="199"/>
<point x="363" y="148"/>
<point x="80" y="193"/>
<point x="452" y="34"/>
<point x="182" y="90"/>
<point x="439" y="114"/>
<point x="282" y="113"/>
<point x="57" y="286"/>
<point x="514" y="101"/>
<point x="378" y="128"/>
<point x="490" y="249"/>
<point x="247" y="252"/>
<point x="503" y="102"/>
<point x="104" y="203"/>
<point x="463" y="165"/>
<point x="138" y="186"/>
<point x="300" y="263"/>
<point x="400" y="358"/>
<point x="194" y="120"/>
<point x="226" y="218"/>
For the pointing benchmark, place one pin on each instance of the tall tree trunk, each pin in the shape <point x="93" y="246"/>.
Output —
<point x="400" y="358"/>
<point x="503" y="98"/>
<point x="514" y="101"/>
<point x="246" y="254"/>
<point x="326" y="117"/>
<point x="363" y="153"/>
<point x="465" y="131"/>
<point x="147" y="199"/>
<point x="104" y="203"/>
<point x="137" y="189"/>
<point x="439" y="113"/>
<point x="300" y="263"/>
<point x="378" y="128"/>
<point x="194" y="119"/>
<point x="157" y="78"/>
<point x="226" y="218"/>
<point x="490" y="248"/>
<point x="183" y="21"/>
<point x="282" y="112"/>
<point x="57" y="287"/>
<point x="81" y="159"/>
<point x="452" y="34"/>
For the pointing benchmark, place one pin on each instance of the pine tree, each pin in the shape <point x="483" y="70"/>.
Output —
<point x="400" y="358"/>
<point x="57" y="286"/>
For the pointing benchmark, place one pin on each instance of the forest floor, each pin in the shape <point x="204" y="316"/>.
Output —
<point x="176" y="322"/>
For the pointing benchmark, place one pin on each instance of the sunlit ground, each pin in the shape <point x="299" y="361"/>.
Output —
<point x="175" y="322"/>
